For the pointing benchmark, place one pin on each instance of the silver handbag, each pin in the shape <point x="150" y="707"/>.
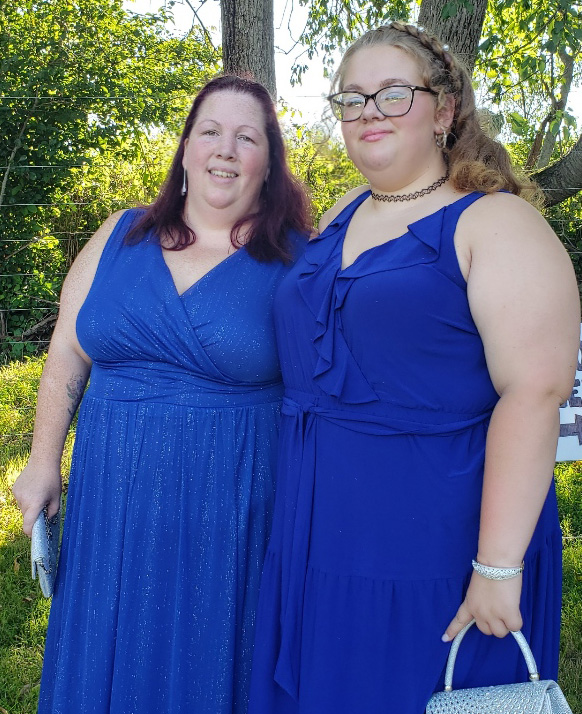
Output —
<point x="533" y="697"/>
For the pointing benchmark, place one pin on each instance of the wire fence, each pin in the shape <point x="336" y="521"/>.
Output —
<point x="43" y="312"/>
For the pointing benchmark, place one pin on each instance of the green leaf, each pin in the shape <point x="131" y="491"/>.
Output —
<point x="518" y="123"/>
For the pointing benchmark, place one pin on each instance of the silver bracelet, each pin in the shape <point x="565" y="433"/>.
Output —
<point x="486" y="571"/>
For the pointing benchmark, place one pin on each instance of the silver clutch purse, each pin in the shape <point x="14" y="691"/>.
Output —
<point x="533" y="697"/>
<point x="44" y="550"/>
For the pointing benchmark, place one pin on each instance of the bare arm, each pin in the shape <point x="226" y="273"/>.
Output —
<point x="62" y="385"/>
<point x="524" y="300"/>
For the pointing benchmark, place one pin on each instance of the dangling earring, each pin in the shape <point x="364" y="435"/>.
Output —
<point x="184" y="184"/>
<point x="441" y="140"/>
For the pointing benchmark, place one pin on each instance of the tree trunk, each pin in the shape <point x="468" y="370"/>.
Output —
<point x="461" y="32"/>
<point x="248" y="40"/>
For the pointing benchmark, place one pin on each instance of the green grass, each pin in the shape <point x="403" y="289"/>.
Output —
<point x="569" y="489"/>
<point x="24" y="612"/>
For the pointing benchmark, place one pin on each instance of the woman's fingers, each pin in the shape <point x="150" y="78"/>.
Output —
<point x="33" y="490"/>
<point x="494" y="605"/>
<point x="29" y="516"/>
<point x="462" y="618"/>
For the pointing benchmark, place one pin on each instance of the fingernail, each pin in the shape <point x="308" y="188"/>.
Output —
<point x="445" y="638"/>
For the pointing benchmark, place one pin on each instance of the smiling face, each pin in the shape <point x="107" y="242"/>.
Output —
<point x="391" y="151"/>
<point x="226" y="154"/>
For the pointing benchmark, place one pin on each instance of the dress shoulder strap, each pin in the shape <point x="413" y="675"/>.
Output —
<point x="346" y="213"/>
<point x="448" y="262"/>
<point x="112" y="250"/>
<point x="117" y="238"/>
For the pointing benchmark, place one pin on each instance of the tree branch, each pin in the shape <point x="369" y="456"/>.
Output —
<point x="17" y="145"/>
<point x="562" y="179"/>
<point x="202" y="25"/>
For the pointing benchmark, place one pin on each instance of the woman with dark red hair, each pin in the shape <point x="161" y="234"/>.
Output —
<point x="168" y="309"/>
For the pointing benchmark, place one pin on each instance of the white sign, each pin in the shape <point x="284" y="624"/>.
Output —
<point x="570" y="440"/>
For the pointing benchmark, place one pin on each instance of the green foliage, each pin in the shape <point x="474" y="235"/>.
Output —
<point x="322" y="163"/>
<point x="526" y="66"/>
<point x="566" y="220"/>
<point x="85" y="89"/>
<point x="332" y="25"/>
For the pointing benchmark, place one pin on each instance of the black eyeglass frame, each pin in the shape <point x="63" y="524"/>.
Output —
<point x="413" y="88"/>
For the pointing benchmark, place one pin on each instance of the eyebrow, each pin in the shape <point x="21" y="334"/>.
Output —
<point x="239" y="128"/>
<point x="384" y="83"/>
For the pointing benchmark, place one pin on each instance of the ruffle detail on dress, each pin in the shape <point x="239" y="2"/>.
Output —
<point x="323" y="285"/>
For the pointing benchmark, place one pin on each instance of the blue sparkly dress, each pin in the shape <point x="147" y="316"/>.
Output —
<point x="171" y="489"/>
<point x="385" y="415"/>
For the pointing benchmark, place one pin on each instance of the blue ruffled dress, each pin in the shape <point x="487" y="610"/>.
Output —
<point x="382" y="445"/>
<point x="171" y="489"/>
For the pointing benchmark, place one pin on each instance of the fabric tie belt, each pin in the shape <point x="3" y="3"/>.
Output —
<point x="303" y="409"/>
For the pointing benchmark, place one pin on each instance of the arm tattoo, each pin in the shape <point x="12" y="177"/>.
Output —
<point x="75" y="389"/>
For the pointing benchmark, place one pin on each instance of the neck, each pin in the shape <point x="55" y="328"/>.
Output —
<point x="204" y="219"/>
<point x="425" y="184"/>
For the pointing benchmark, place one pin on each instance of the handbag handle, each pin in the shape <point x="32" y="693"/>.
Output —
<point x="521" y="641"/>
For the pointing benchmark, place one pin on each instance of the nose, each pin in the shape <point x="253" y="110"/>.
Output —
<point x="226" y="148"/>
<point x="370" y="110"/>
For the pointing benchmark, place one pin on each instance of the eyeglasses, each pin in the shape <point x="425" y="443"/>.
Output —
<point x="393" y="101"/>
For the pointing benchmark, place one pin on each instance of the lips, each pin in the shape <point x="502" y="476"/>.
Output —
<point x="223" y="174"/>
<point x="374" y="134"/>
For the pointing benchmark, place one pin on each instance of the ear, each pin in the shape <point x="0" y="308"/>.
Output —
<point x="444" y="115"/>
<point x="184" y="154"/>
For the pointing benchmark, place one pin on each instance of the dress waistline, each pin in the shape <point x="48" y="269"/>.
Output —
<point x="153" y="383"/>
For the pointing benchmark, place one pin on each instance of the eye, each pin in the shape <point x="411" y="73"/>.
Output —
<point x="394" y="94"/>
<point x="245" y="138"/>
<point x="210" y="132"/>
<point x="350" y="101"/>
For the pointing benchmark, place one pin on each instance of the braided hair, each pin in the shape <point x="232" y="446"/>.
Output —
<point x="476" y="161"/>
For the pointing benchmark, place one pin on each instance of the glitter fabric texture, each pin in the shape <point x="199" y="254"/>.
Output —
<point x="171" y="489"/>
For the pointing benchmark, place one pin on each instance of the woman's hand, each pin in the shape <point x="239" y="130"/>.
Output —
<point x="493" y="604"/>
<point x="33" y="490"/>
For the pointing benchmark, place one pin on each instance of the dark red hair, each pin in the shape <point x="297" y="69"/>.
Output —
<point x="283" y="202"/>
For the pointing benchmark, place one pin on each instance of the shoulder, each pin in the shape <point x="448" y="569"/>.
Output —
<point x="501" y="228"/>
<point x="102" y="234"/>
<point x="339" y="206"/>
<point x="85" y="265"/>
<point x="505" y="223"/>
<point x="503" y="214"/>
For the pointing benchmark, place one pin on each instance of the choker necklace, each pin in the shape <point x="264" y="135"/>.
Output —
<point x="411" y="196"/>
